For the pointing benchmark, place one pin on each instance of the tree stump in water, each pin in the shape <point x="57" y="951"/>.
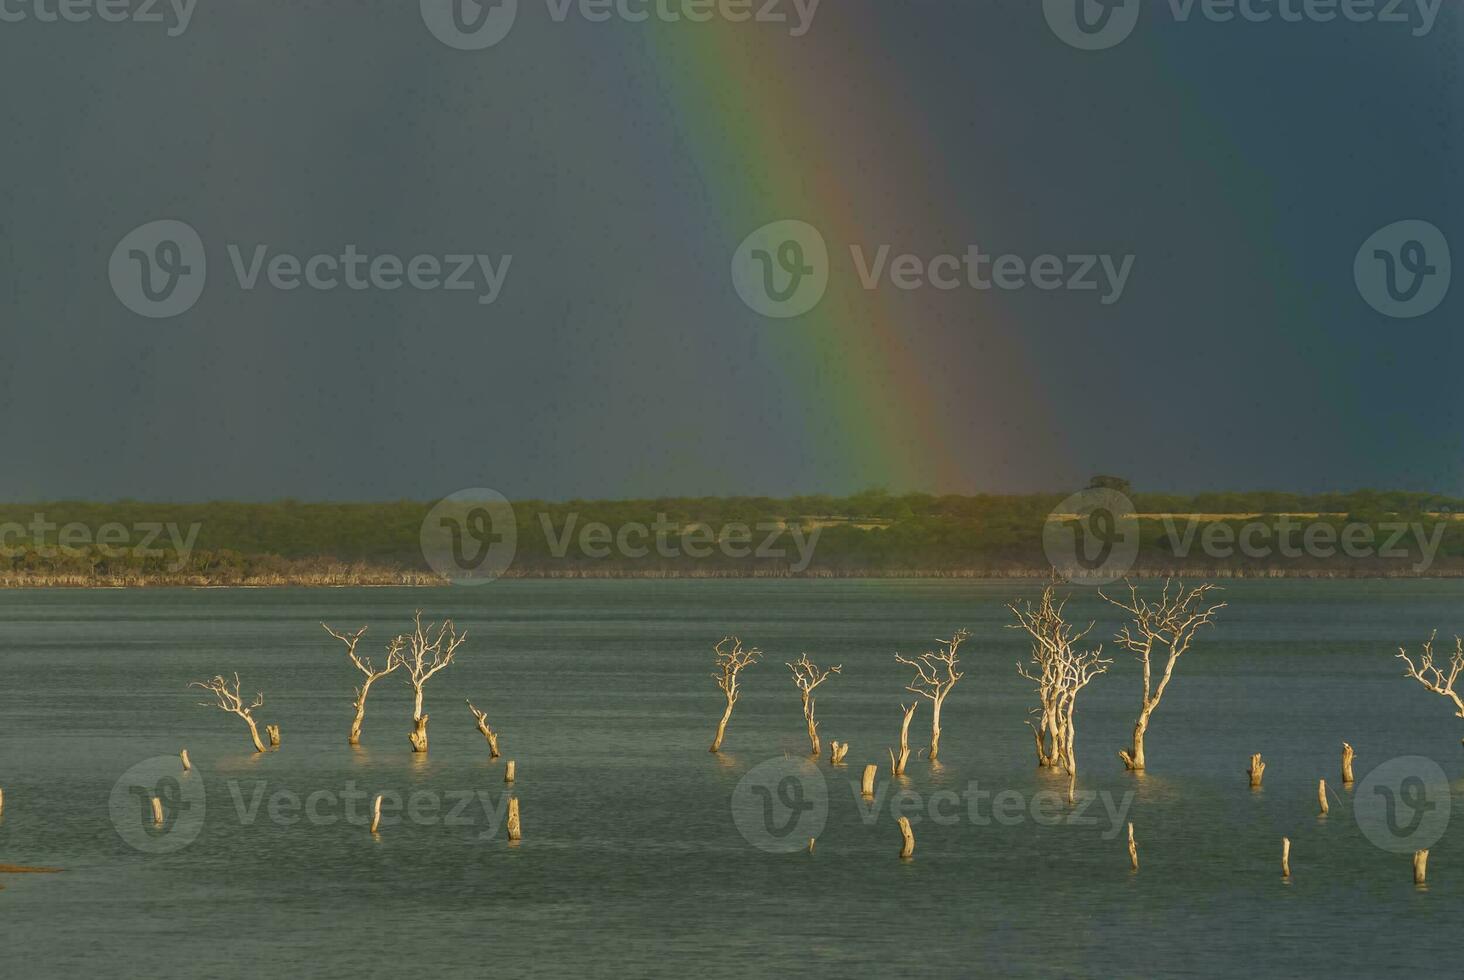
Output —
<point x="376" y="813"/>
<point x="1133" y="848"/>
<point x="515" y="831"/>
<point x="837" y="751"/>
<point x="1322" y="795"/>
<point x="481" y="717"/>
<point x="508" y="772"/>
<point x="273" y="731"/>
<point x="908" y="847"/>
<point x="1347" y="756"/>
<point x="1286" y="857"/>
<point x="186" y="764"/>
<point x="1420" y="867"/>
<point x="418" y="735"/>
<point x="157" y="811"/>
<point x="866" y="788"/>
<point x="1256" y="771"/>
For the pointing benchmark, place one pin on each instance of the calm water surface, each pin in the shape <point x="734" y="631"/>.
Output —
<point x="632" y="863"/>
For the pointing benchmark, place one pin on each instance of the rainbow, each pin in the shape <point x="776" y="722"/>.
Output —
<point x="743" y="101"/>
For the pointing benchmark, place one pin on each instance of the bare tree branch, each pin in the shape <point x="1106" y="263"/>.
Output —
<point x="935" y="675"/>
<point x="730" y="660"/>
<point x="227" y="698"/>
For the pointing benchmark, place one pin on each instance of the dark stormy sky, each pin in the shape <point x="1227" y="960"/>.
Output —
<point x="1242" y="164"/>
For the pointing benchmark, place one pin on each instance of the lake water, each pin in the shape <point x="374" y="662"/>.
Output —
<point x="632" y="863"/>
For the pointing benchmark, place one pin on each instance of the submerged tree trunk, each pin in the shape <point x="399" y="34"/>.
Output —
<point x="355" y="737"/>
<point x="813" y="741"/>
<point x="897" y="764"/>
<point x="418" y="736"/>
<point x="935" y="729"/>
<point x="1133" y="757"/>
<point x="722" y="728"/>
<point x="254" y="734"/>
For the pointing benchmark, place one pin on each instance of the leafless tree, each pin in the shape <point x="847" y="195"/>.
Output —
<point x="806" y="677"/>
<point x="428" y="649"/>
<point x="935" y="675"/>
<point x="730" y="661"/>
<point x="226" y="698"/>
<point x="481" y="717"/>
<point x="1431" y="676"/>
<point x="365" y="666"/>
<point x="1059" y="671"/>
<point x="1163" y="628"/>
<point x="898" y="762"/>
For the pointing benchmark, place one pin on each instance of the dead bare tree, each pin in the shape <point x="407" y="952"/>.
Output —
<point x="730" y="661"/>
<point x="935" y="675"/>
<point x="898" y="762"/>
<point x="428" y="649"/>
<point x="1059" y="671"/>
<point x="481" y="717"/>
<point x="806" y="677"/>
<point x="226" y="698"/>
<point x="365" y="666"/>
<point x="1431" y="676"/>
<point x="1166" y="626"/>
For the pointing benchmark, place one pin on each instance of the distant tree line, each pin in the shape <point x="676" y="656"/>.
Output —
<point x="870" y="533"/>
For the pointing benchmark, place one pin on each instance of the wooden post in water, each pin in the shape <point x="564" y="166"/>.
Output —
<point x="375" y="813"/>
<point x="1133" y="848"/>
<point x="186" y="764"/>
<point x="1420" y="867"/>
<point x="867" y="787"/>
<point x="1322" y="795"/>
<point x="1256" y="771"/>
<point x="273" y="731"/>
<point x="907" y="848"/>
<point x="1347" y="755"/>
<point x="157" y="809"/>
<point x="508" y="772"/>
<point x="514" y="829"/>
<point x="1286" y="857"/>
